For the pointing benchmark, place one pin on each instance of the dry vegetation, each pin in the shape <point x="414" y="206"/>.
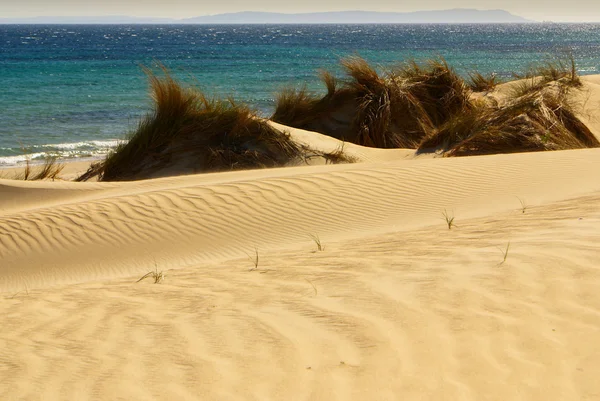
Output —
<point x="394" y="110"/>
<point x="537" y="121"/>
<point x="50" y="170"/>
<point x="187" y="132"/>
<point x="482" y="83"/>
<point x="430" y="108"/>
<point x="426" y="107"/>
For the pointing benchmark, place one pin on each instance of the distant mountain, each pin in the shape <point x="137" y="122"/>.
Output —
<point x="455" y="16"/>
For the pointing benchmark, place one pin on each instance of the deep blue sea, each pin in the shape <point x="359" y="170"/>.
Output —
<point x="75" y="90"/>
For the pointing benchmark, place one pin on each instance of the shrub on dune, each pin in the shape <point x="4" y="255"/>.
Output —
<point x="394" y="110"/>
<point x="536" y="121"/>
<point x="429" y="107"/>
<point x="188" y="133"/>
<point x="560" y="71"/>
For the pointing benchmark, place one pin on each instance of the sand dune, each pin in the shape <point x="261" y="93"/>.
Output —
<point x="504" y="306"/>
<point x="420" y="311"/>
<point x="89" y="231"/>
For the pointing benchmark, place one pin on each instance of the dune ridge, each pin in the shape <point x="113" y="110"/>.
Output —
<point x="504" y="305"/>
<point x="427" y="313"/>
<point x="122" y="229"/>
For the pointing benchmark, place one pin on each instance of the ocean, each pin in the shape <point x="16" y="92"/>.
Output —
<point x="74" y="91"/>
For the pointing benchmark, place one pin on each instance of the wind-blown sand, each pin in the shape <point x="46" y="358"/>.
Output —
<point x="397" y="306"/>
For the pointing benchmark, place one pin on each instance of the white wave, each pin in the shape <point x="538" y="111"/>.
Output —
<point x="84" y="144"/>
<point x="75" y="150"/>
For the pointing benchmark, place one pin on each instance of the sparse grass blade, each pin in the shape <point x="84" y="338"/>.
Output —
<point x="449" y="219"/>
<point x="156" y="275"/>
<point x="317" y="241"/>
<point x="50" y="169"/>
<point x="523" y="204"/>
<point x="254" y="259"/>
<point x="504" y="253"/>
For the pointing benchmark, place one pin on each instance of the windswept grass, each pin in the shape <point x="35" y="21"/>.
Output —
<point x="422" y="106"/>
<point x="155" y="274"/>
<point x="338" y="156"/>
<point x="561" y="71"/>
<point x="537" y="121"/>
<point x="429" y="107"/>
<point x="524" y="205"/>
<point x="482" y="83"/>
<point x="188" y="132"/>
<point x="50" y="170"/>
<point x="395" y="109"/>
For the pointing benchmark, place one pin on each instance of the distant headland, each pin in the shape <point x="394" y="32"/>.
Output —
<point x="453" y="16"/>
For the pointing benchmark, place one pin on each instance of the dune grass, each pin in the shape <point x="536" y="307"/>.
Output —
<point x="535" y="121"/>
<point x="254" y="260"/>
<point x="504" y="253"/>
<point x="155" y="274"/>
<point x="449" y="218"/>
<point x="188" y="132"/>
<point x="561" y="71"/>
<point x="317" y="242"/>
<point x="524" y="205"/>
<point x="50" y="170"/>
<point x="429" y="107"/>
<point x="482" y="83"/>
<point x="395" y="109"/>
<point x="423" y="106"/>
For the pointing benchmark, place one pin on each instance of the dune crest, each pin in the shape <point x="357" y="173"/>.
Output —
<point x="395" y="304"/>
<point x="96" y="231"/>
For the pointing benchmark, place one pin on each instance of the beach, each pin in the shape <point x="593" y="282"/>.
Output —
<point x="397" y="276"/>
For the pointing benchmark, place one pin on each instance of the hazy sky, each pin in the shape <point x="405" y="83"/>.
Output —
<point x="573" y="10"/>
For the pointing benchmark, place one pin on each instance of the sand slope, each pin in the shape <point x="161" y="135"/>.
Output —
<point x="396" y="307"/>
<point x="88" y="231"/>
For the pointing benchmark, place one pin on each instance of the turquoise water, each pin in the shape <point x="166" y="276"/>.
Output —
<point x="76" y="90"/>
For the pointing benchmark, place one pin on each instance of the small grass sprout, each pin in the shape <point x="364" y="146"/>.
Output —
<point x="504" y="253"/>
<point x="313" y="286"/>
<point x="449" y="219"/>
<point x="523" y="204"/>
<point x="317" y="241"/>
<point x="254" y="259"/>
<point x="156" y="275"/>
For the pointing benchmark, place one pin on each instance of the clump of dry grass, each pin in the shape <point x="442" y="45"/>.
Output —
<point x="50" y="170"/>
<point x="428" y="106"/>
<point x="538" y="120"/>
<point x="558" y="71"/>
<point x="482" y="83"/>
<point x="188" y="132"/>
<point x="317" y="242"/>
<point x="391" y="110"/>
<point x="156" y="275"/>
